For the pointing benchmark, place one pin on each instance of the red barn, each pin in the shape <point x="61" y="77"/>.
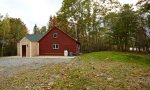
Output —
<point x="54" y="42"/>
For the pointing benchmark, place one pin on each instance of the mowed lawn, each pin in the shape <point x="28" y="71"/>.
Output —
<point x="92" y="71"/>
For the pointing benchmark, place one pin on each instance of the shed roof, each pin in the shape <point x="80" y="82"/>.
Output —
<point x="34" y="37"/>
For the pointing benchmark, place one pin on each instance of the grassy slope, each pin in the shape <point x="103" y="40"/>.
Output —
<point x="107" y="70"/>
<point x="118" y="56"/>
<point x="93" y="71"/>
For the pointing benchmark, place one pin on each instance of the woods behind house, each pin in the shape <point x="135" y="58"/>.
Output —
<point x="106" y="24"/>
<point x="96" y="24"/>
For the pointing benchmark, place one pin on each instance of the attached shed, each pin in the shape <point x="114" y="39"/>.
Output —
<point x="29" y="46"/>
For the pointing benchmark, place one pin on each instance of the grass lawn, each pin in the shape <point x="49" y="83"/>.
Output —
<point x="93" y="71"/>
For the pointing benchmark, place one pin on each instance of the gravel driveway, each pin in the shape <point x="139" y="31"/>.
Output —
<point x="10" y="66"/>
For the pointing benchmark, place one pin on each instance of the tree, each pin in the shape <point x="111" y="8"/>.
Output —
<point x="12" y="30"/>
<point x="5" y="29"/>
<point x="17" y="31"/>
<point x="123" y="25"/>
<point x="104" y="24"/>
<point x="87" y="15"/>
<point x="43" y="30"/>
<point x="144" y="12"/>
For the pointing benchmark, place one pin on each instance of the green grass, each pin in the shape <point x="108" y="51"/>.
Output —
<point x="107" y="70"/>
<point x="92" y="71"/>
<point x="118" y="56"/>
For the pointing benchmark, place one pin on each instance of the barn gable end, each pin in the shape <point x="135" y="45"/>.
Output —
<point x="49" y="45"/>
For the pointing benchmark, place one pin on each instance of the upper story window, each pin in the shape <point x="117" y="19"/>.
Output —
<point x="55" y="35"/>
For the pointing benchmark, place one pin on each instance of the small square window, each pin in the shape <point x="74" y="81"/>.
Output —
<point x="55" y="35"/>
<point x="55" y="46"/>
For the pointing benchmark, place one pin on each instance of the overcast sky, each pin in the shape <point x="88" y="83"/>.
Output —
<point x="34" y="12"/>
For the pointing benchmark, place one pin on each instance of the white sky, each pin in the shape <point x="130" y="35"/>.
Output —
<point x="34" y="12"/>
<point x="128" y="1"/>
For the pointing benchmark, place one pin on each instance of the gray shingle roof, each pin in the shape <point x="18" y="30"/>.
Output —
<point x="34" y="37"/>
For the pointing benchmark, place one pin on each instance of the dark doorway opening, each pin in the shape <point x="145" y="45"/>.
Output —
<point x="23" y="50"/>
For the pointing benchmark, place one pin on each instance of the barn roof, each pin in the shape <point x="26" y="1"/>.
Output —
<point x="34" y="37"/>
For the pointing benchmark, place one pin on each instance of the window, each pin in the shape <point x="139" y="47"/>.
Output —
<point x="55" y="46"/>
<point x="55" y="35"/>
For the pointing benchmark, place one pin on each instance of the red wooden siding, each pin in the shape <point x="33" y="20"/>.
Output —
<point x="65" y="43"/>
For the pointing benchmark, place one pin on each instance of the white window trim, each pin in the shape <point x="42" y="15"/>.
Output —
<point x="55" y="34"/>
<point x="54" y="46"/>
